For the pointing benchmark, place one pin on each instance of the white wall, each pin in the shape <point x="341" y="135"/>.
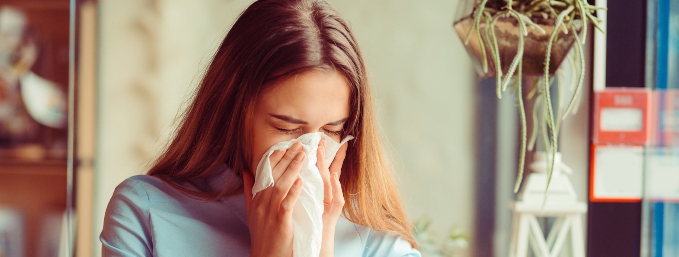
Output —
<point x="152" y="53"/>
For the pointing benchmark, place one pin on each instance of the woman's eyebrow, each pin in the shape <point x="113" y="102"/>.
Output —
<point x="337" y="123"/>
<point x="289" y="119"/>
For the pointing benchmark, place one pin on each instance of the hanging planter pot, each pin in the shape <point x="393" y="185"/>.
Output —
<point x="535" y="45"/>
<point x="510" y="39"/>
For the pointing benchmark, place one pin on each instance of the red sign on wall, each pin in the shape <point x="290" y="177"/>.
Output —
<point x="622" y="116"/>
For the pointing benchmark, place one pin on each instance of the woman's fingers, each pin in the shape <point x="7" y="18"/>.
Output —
<point x="280" y="167"/>
<point x="287" y="165"/>
<point x="282" y="186"/>
<point x="337" y="196"/>
<point x="325" y="174"/>
<point x="289" y="201"/>
<point x="337" y="163"/>
<point x="276" y="157"/>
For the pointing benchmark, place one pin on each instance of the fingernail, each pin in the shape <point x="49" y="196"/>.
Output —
<point x="298" y="182"/>
<point x="300" y="156"/>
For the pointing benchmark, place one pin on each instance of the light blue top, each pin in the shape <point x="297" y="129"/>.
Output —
<point x="147" y="217"/>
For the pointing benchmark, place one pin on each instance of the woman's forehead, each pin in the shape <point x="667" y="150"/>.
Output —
<point x="309" y="94"/>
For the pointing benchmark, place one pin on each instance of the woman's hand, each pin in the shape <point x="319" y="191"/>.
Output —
<point x="270" y="211"/>
<point x="333" y="197"/>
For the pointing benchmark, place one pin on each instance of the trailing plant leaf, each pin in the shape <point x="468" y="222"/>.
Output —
<point x="559" y="103"/>
<point x="548" y="53"/>
<point x="496" y="56"/>
<point x="534" y="131"/>
<point x="584" y="21"/>
<point x="596" y="22"/>
<point x="519" y="51"/>
<point x="522" y="114"/>
<point x="477" y="21"/>
<point x="573" y="67"/>
<point x="534" y="89"/>
<point x="534" y="6"/>
<point x="581" y="74"/>
<point x="487" y="40"/>
<point x="544" y="124"/>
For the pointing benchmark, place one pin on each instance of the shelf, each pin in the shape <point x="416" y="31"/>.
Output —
<point x="33" y="167"/>
<point x="36" y="189"/>
<point x="39" y="5"/>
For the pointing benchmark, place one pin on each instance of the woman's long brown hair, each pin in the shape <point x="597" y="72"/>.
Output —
<point x="273" y="39"/>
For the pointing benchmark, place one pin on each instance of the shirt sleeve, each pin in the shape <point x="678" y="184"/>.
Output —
<point x="126" y="229"/>
<point x="380" y="244"/>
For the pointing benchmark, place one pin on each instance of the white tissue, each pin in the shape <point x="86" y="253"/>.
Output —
<point x="307" y="215"/>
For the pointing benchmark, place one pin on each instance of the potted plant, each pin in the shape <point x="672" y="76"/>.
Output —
<point x="513" y="39"/>
<point x="433" y="244"/>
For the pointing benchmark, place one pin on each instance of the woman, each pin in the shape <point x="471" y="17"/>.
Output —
<point x="286" y="68"/>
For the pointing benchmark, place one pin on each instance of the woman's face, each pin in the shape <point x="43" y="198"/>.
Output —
<point x="312" y="101"/>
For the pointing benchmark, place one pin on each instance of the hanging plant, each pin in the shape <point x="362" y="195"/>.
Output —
<point x="530" y="38"/>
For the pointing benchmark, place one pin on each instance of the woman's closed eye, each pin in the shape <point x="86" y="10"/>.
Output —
<point x="332" y="132"/>
<point x="289" y="131"/>
<point x="299" y="131"/>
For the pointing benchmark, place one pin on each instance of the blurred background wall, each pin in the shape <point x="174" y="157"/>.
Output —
<point x="152" y="54"/>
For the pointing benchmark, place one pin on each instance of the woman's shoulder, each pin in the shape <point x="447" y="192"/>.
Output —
<point x="140" y="182"/>
<point x="126" y="231"/>
<point x="374" y="243"/>
<point x="146" y="188"/>
<point x="133" y="196"/>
